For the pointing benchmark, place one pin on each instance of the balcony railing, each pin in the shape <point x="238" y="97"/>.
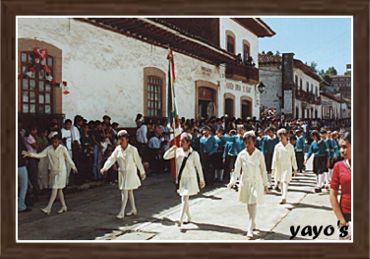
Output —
<point x="242" y="72"/>
<point x="308" y="97"/>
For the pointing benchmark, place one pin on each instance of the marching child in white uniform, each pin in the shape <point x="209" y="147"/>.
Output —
<point x="283" y="162"/>
<point x="253" y="183"/>
<point x="59" y="158"/>
<point x="129" y="162"/>
<point x="187" y="167"/>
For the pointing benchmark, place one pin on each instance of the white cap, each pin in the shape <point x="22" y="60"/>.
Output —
<point x="281" y="131"/>
<point x="52" y="134"/>
<point x="122" y="133"/>
<point x="249" y="134"/>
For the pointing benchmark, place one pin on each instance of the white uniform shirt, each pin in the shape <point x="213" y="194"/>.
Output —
<point x="67" y="134"/>
<point x="141" y="134"/>
<point x="75" y="134"/>
<point x="57" y="158"/>
<point x="254" y="176"/>
<point x="283" y="161"/>
<point x="129" y="162"/>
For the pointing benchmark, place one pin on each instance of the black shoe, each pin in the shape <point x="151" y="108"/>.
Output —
<point x="317" y="190"/>
<point x="25" y="210"/>
<point x="277" y="189"/>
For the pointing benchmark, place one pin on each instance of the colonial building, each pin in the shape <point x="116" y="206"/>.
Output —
<point x="331" y="106"/>
<point x="291" y="87"/>
<point x="343" y="84"/>
<point x="118" y="66"/>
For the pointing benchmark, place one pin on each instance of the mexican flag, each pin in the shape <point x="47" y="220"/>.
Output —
<point x="171" y="109"/>
<point x="171" y="103"/>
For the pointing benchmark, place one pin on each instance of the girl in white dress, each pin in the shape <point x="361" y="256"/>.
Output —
<point x="253" y="182"/>
<point x="129" y="162"/>
<point x="283" y="162"/>
<point x="186" y="180"/>
<point x="59" y="158"/>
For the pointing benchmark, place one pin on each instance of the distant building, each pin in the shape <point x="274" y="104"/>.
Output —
<point x="292" y="87"/>
<point x="343" y="84"/>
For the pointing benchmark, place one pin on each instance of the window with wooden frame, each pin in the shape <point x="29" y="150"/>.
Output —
<point x="246" y="50"/>
<point x="230" y="42"/>
<point x="154" y="96"/>
<point x="36" y="91"/>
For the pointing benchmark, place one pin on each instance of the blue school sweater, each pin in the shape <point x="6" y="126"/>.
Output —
<point x="237" y="140"/>
<point x="318" y="149"/>
<point x="208" y="145"/>
<point x="299" y="145"/>
<point x="269" y="144"/>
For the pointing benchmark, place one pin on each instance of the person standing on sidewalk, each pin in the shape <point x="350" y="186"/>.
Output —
<point x="22" y="175"/>
<point x="341" y="179"/>
<point x="129" y="162"/>
<point x="283" y="161"/>
<point x="188" y="167"/>
<point x="59" y="157"/>
<point x="253" y="183"/>
<point x="32" y="165"/>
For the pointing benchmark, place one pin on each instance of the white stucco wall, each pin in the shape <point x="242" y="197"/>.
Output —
<point x="305" y="78"/>
<point x="239" y="90"/>
<point x="105" y="70"/>
<point x="271" y="77"/>
<point x="241" y="34"/>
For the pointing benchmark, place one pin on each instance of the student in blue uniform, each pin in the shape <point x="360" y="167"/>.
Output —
<point x="336" y="148"/>
<point x="269" y="142"/>
<point x="229" y="156"/>
<point x="319" y="149"/>
<point x="219" y="166"/>
<point x="324" y="135"/>
<point x="236" y="139"/>
<point x="208" y="147"/>
<point x="299" y="150"/>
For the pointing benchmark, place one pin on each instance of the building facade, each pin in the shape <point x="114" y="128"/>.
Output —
<point x="119" y="67"/>
<point x="343" y="85"/>
<point x="331" y="106"/>
<point x="292" y="87"/>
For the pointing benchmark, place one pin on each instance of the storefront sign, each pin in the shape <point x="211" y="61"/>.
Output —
<point x="238" y="87"/>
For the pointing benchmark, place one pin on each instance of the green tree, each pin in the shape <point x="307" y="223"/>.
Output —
<point x="331" y="71"/>
<point x="347" y="73"/>
<point x="270" y="53"/>
<point x="313" y="66"/>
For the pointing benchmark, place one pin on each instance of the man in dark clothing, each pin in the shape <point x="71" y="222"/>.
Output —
<point x="22" y="176"/>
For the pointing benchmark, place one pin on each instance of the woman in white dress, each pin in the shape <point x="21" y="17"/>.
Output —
<point x="187" y="167"/>
<point x="253" y="182"/>
<point x="283" y="162"/>
<point x="58" y="158"/>
<point x="129" y="162"/>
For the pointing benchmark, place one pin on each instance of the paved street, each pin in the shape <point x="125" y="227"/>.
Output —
<point x="216" y="214"/>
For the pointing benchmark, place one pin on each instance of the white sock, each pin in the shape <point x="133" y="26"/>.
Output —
<point x="132" y="200"/>
<point x="284" y="190"/>
<point x="124" y="198"/>
<point x="185" y="204"/>
<point x="252" y="211"/>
